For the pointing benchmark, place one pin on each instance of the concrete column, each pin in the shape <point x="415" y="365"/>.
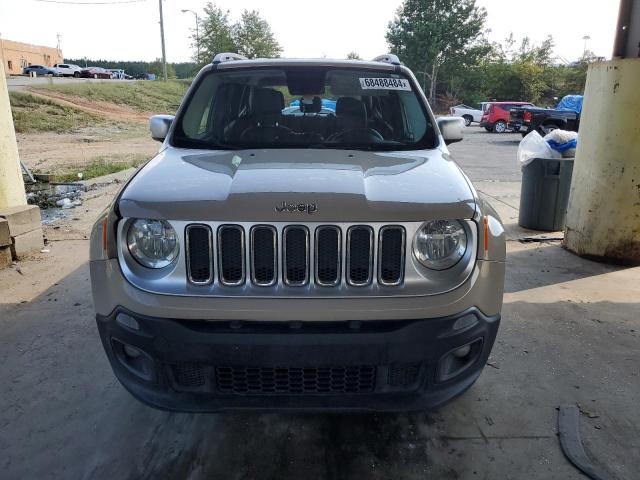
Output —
<point x="603" y="216"/>
<point x="11" y="184"/>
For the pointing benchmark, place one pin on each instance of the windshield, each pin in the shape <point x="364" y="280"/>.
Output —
<point x="304" y="108"/>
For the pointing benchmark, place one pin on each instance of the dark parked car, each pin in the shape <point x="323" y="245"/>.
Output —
<point x="496" y="115"/>
<point x="565" y="116"/>
<point x="95" y="72"/>
<point x="41" y="70"/>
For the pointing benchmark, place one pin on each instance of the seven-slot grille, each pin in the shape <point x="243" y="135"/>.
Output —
<point x="291" y="254"/>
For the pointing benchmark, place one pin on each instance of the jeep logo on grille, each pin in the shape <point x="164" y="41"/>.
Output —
<point x="310" y="208"/>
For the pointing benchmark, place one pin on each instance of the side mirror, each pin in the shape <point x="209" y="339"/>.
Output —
<point x="159" y="126"/>
<point x="451" y="129"/>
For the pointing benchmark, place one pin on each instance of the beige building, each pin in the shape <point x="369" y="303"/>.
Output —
<point x="16" y="55"/>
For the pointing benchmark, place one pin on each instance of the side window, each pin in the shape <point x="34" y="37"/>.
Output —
<point x="416" y="120"/>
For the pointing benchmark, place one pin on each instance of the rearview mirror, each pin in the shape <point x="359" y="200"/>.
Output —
<point x="159" y="126"/>
<point x="451" y="129"/>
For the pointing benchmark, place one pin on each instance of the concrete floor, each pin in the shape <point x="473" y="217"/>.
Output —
<point x="570" y="334"/>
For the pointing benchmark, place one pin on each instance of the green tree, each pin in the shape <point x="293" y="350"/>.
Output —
<point x="254" y="38"/>
<point x="427" y="33"/>
<point x="216" y="33"/>
<point x="155" y="67"/>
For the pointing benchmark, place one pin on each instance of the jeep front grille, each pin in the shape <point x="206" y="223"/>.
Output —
<point x="264" y="255"/>
<point x="199" y="262"/>
<point x="295" y="255"/>
<point x="231" y="255"/>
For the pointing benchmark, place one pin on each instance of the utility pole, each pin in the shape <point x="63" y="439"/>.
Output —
<point x="164" y="55"/>
<point x="197" y="35"/>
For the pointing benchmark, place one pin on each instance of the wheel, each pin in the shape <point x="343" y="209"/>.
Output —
<point x="516" y="128"/>
<point x="488" y="129"/>
<point x="547" y="128"/>
<point x="95" y="75"/>
<point x="500" y="126"/>
<point x="76" y="74"/>
<point x="467" y="120"/>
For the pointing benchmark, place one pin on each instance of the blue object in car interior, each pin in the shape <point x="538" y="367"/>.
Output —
<point x="572" y="103"/>
<point x="326" y="103"/>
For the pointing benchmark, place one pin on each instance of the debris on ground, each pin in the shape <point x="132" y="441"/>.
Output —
<point x="63" y="195"/>
<point x="586" y="412"/>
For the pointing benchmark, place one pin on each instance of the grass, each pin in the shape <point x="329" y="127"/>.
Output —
<point x="142" y="96"/>
<point x="35" y="114"/>
<point x="99" y="167"/>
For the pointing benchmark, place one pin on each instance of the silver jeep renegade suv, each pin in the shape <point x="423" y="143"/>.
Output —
<point x="302" y="240"/>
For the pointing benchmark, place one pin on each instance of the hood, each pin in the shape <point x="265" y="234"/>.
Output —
<point x="299" y="185"/>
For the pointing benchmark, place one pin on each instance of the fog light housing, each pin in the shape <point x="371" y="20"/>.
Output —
<point x="458" y="360"/>
<point x="135" y="360"/>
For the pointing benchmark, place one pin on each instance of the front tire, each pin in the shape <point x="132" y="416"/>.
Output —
<point x="76" y="74"/>
<point x="499" y="127"/>
<point x="488" y="129"/>
<point x="467" y="120"/>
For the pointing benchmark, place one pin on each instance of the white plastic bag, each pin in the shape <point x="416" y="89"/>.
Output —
<point x="563" y="141"/>
<point x="533" y="146"/>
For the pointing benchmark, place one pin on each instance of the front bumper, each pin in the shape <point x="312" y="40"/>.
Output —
<point x="378" y="365"/>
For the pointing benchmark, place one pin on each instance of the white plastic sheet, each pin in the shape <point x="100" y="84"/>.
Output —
<point x="534" y="146"/>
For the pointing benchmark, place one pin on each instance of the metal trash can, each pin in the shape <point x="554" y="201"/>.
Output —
<point x="544" y="194"/>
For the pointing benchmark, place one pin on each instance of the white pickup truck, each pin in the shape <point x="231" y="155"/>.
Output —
<point x="469" y="114"/>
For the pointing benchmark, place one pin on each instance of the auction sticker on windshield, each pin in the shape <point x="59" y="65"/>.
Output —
<point x="384" y="84"/>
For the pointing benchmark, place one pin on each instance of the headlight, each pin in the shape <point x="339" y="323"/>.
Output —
<point x="440" y="244"/>
<point x="153" y="243"/>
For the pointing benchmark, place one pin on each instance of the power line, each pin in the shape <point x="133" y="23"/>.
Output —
<point x="116" y="2"/>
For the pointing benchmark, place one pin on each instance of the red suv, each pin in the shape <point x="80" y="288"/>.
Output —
<point x="496" y="115"/>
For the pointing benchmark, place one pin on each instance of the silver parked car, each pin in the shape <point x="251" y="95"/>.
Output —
<point x="324" y="262"/>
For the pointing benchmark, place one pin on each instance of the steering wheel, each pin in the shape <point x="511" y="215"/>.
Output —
<point x="355" y="132"/>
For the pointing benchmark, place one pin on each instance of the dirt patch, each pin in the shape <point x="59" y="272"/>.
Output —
<point x="106" y="109"/>
<point x="50" y="152"/>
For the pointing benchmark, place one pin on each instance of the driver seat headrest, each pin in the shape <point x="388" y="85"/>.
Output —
<point x="267" y="102"/>
<point x="351" y="113"/>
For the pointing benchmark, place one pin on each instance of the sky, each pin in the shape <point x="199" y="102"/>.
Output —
<point x="331" y="28"/>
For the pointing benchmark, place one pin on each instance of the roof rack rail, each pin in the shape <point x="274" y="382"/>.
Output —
<point x="388" y="58"/>
<point x="228" y="57"/>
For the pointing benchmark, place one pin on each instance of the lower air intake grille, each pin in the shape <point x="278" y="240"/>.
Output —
<point x="199" y="265"/>
<point x="190" y="374"/>
<point x="404" y="374"/>
<point x="359" y="251"/>
<point x="295" y="380"/>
